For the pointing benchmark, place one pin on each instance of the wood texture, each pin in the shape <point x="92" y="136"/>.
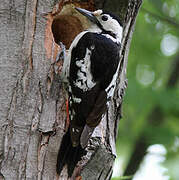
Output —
<point x="32" y="102"/>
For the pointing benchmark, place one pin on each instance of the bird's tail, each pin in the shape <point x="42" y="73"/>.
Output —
<point x="68" y="155"/>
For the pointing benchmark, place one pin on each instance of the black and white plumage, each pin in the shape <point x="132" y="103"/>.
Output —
<point x="89" y="75"/>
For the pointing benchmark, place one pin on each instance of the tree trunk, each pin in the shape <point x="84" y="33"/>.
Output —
<point x="32" y="102"/>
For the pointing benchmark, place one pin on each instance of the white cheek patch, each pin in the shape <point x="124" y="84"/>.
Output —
<point x="113" y="26"/>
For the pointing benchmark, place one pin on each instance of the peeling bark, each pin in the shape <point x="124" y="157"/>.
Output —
<point x="32" y="102"/>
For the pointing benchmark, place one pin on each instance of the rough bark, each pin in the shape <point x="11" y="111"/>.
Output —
<point x="32" y="110"/>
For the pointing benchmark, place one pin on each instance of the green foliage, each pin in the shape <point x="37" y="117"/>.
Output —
<point x="149" y="70"/>
<point x="123" y="178"/>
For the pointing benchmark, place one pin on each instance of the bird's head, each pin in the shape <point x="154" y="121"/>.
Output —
<point x="107" y="22"/>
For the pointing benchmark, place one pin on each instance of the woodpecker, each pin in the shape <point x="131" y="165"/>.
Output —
<point x="89" y="75"/>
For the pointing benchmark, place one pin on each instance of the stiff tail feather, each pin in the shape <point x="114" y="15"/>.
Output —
<point x="68" y="155"/>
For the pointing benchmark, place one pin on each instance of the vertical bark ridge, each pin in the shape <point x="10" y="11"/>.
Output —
<point x="29" y="31"/>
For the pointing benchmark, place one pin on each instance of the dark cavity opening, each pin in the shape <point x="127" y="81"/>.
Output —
<point x="65" y="28"/>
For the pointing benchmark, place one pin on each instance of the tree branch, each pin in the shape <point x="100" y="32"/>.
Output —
<point x="165" y="19"/>
<point x="174" y="77"/>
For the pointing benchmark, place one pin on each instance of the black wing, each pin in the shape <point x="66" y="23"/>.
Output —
<point x="104" y="57"/>
<point x="86" y="107"/>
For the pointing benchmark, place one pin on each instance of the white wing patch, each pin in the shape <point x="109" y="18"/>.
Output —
<point x="67" y="60"/>
<point x="76" y="99"/>
<point x="85" y="79"/>
<point x="111" y="88"/>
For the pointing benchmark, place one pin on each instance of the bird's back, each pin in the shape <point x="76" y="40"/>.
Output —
<point x="94" y="61"/>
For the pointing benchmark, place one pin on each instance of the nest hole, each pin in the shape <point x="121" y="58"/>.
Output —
<point x="65" y="28"/>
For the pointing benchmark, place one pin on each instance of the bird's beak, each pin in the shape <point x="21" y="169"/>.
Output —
<point x="88" y="14"/>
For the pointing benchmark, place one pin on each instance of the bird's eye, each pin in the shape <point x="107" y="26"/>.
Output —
<point x="104" y="18"/>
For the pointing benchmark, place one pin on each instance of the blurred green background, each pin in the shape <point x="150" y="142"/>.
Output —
<point x="148" y="135"/>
